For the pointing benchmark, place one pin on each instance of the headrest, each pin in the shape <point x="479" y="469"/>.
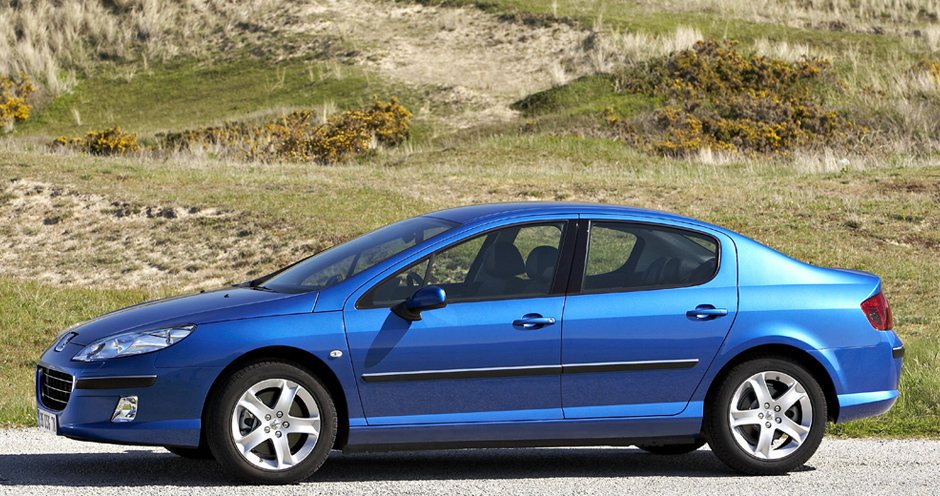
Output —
<point x="671" y="272"/>
<point x="653" y="272"/>
<point x="503" y="260"/>
<point x="540" y="266"/>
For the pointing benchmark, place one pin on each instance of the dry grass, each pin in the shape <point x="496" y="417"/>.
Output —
<point x="879" y="16"/>
<point x="611" y="49"/>
<point x="462" y="57"/>
<point x="898" y="102"/>
<point x="932" y="37"/>
<point x="50" y="40"/>
<point x="788" y="51"/>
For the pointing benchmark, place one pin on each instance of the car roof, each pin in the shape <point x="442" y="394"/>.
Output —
<point x="476" y="213"/>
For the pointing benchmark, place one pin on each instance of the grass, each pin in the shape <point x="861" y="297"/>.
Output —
<point x="880" y="220"/>
<point x="186" y="94"/>
<point x="587" y="96"/>
<point x="32" y="315"/>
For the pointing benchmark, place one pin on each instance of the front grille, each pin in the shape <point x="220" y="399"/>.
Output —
<point x="54" y="388"/>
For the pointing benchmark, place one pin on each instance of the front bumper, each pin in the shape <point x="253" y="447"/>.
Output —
<point x="170" y="400"/>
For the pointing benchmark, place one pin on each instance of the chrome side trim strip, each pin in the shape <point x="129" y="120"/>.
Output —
<point x="427" y="375"/>
<point x="585" y="368"/>
<point x="488" y="372"/>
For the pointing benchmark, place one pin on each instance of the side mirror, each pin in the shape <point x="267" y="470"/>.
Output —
<point x="426" y="298"/>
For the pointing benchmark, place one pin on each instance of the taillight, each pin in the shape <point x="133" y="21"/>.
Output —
<point x="878" y="312"/>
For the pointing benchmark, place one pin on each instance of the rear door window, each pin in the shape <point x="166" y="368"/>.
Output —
<point x="631" y="257"/>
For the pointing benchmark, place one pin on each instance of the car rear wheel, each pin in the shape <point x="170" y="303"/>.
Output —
<point x="272" y="423"/>
<point x="672" y="449"/>
<point x="767" y="416"/>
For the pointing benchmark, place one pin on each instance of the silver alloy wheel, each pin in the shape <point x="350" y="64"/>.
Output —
<point x="771" y="415"/>
<point x="275" y="424"/>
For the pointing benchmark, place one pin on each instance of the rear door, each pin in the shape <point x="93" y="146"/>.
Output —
<point x="647" y="313"/>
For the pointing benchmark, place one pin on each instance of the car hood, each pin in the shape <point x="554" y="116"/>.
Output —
<point x="231" y="303"/>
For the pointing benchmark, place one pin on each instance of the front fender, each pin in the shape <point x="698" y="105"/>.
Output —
<point x="220" y="344"/>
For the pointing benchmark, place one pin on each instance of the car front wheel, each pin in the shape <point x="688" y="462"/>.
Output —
<point x="767" y="416"/>
<point x="200" y="453"/>
<point x="272" y="423"/>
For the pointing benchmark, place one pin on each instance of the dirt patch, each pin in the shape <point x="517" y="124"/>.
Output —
<point x="461" y="57"/>
<point x="919" y="189"/>
<point x="57" y="236"/>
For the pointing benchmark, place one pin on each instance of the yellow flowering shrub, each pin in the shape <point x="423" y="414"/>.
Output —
<point x="294" y="137"/>
<point x="928" y="67"/>
<point x="13" y="99"/>
<point x="110" y="141"/>
<point x="714" y="97"/>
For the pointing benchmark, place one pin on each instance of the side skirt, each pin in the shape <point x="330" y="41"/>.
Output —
<point x="544" y="433"/>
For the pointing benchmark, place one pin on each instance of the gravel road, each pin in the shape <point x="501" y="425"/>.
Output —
<point x="34" y="463"/>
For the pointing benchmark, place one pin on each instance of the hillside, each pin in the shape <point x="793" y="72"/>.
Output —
<point x="509" y="100"/>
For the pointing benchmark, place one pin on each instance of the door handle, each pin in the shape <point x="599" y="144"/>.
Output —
<point x="533" y="321"/>
<point x="706" y="312"/>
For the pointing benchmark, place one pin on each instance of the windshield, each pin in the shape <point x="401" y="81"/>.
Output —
<point x="348" y="259"/>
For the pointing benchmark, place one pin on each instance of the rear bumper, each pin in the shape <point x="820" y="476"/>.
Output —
<point x="865" y="378"/>
<point x="860" y="405"/>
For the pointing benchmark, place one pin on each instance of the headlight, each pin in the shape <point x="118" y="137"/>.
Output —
<point x="133" y="343"/>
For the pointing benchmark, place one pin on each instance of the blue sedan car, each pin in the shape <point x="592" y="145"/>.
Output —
<point x="535" y="324"/>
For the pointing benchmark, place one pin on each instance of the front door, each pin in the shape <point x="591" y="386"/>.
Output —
<point x="492" y="354"/>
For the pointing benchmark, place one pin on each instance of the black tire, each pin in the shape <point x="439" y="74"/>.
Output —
<point x="201" y="453"/>
<point x="672" y="449"/>
<point x="262" y="436"/>
<point x="766" y="440"/>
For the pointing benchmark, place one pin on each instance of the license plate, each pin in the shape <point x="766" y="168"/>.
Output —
<point x="47" y="421"/>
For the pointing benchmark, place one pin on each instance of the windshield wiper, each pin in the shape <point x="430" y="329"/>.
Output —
<point x="262" y="288"/>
